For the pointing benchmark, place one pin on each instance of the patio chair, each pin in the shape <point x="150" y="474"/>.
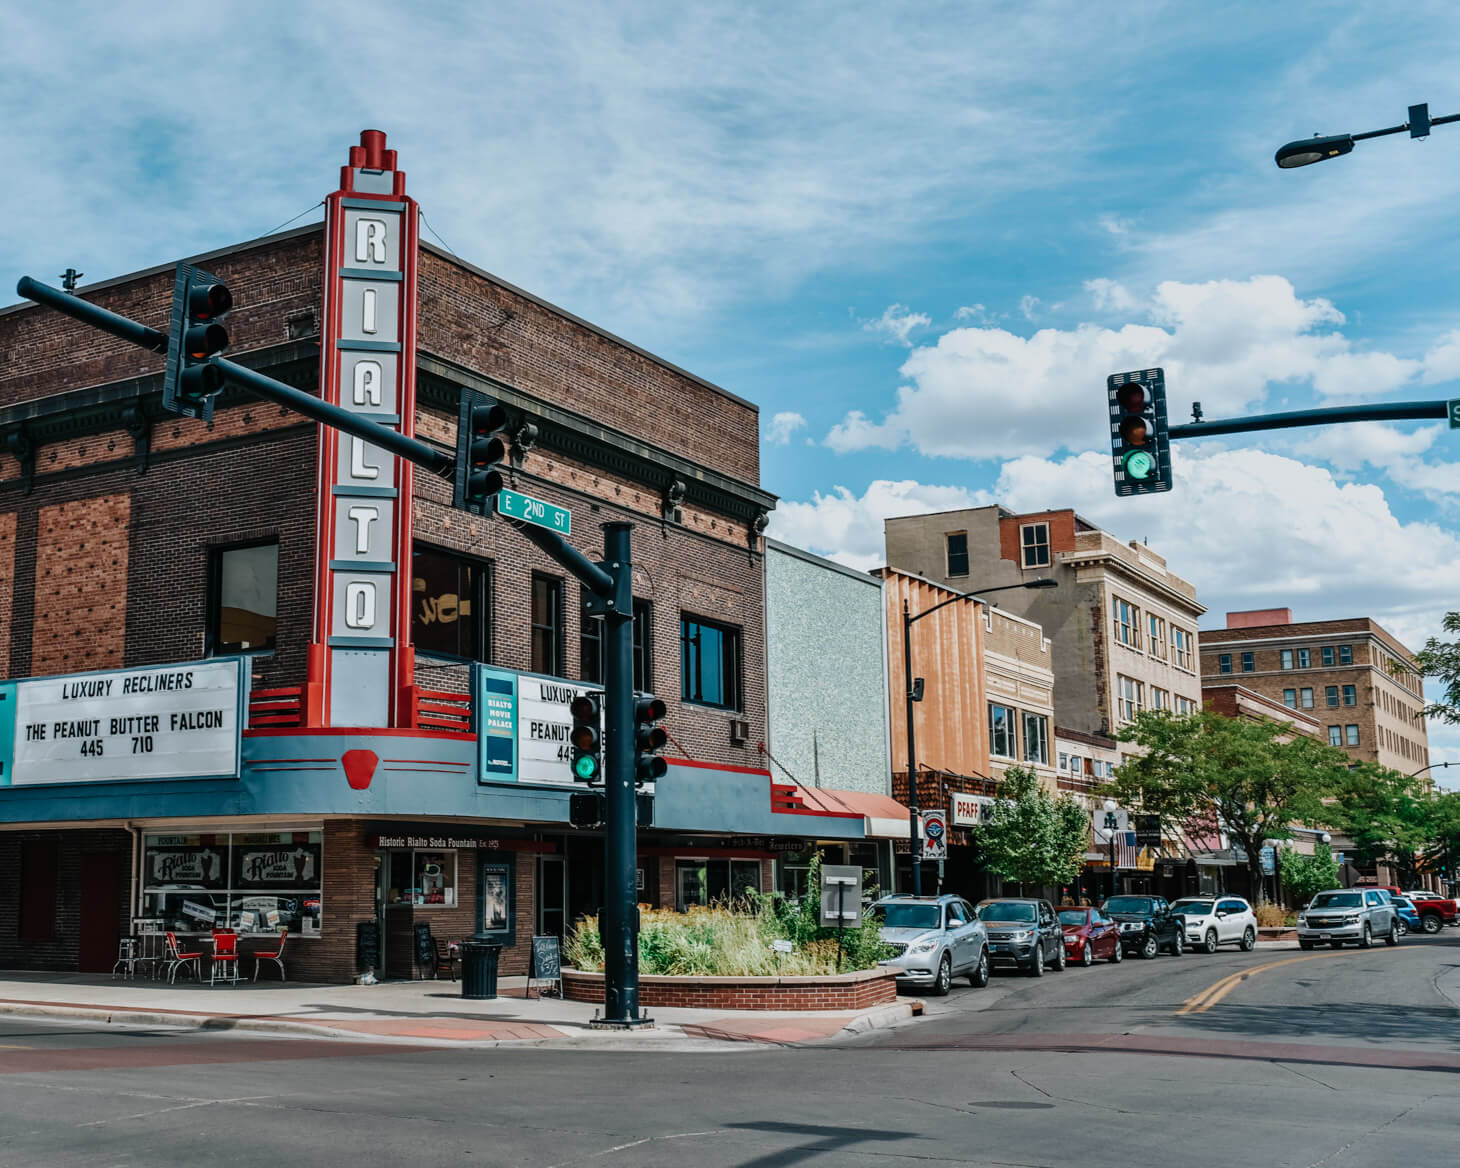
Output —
<point x="447" y="955"/>
<point x="176" y="959"/>
<point x="276" y="956"/>
<point x="225" y="959"/>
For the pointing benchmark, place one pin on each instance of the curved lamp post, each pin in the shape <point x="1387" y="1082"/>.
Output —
<point x="1111" y="806"/>
<point x="1320" y="148"/>
<point x="914" y="693"/>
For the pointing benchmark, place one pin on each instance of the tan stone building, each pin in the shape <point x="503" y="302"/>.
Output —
<point x="1018" y="684"/>
<point x="1353" y="677"/>
<point x="1122" y="626"/>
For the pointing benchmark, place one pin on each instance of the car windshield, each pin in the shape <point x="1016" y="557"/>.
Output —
<point x="1128" y="904"/>
<point x="1402" y="903"/>
<point x="1072" y="916"/>
<point x="1338" y="900"/>
<point x="910" y="916"/>
<point x="1007" y="910"/>
<point x="1197" y="908"/>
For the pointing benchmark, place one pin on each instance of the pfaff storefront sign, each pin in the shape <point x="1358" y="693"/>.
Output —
<point x="360" y="668"/>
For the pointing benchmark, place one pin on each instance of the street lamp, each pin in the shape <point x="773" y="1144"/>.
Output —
<point x="915" y="694"/>
<point x="1306" y="151"/>
<point x="1111" y="823"/>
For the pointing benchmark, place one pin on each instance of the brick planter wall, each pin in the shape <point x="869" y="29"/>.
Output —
<point x="843" y="991"/>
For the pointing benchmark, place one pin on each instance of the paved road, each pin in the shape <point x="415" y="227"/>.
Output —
<point x="1346" y="1059"/>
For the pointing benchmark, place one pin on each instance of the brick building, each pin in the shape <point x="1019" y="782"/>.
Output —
<point x="346" y="622"/>
<point x="1352" y="677"/>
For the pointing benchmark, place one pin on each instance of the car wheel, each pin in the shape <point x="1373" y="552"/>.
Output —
<point x="1087" y="953"/>
<point x="1036" y="966"/>
<point x="944" y="981"/>
<point x="1249" y="939"/>
<point x="1302" y="944"/>
<point x="1367" y="940"/>
<point x="1060" y="960"/>
<point x="1403" y="928"/>
<point x="1178" y="945"/>
<point x="1150" y="947"/>
<point x="1118" y="955"/>
<point x="1210" y="940"/>
<point x="1393" y="937"/>
<point x="1431" y="923"/>
<point x="980" y="975"/>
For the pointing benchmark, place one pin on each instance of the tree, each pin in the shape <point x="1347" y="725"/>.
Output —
<point x="1388" y="816"/>
<point x="1033" y="837"/>
<point x="1251" y="779"/>
<point x="1303" y="876"/>
<point x="1442" y="659"/>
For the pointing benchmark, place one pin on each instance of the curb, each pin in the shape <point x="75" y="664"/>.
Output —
<point x="882" y="1018"/>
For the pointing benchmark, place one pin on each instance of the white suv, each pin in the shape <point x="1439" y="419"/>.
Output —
<point x="1217" y="920"/>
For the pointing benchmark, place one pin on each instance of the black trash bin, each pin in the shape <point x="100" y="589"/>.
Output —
<point x="479" y="969"/>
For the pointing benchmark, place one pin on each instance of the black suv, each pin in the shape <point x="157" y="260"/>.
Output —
<point x="1023" y="933"/>
<point x="1147" y="925"/>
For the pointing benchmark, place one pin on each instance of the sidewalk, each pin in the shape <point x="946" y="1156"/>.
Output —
<point x="412" y="1011"/>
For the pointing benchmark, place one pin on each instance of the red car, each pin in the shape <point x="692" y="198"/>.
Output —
<point x="1089" y="934"/>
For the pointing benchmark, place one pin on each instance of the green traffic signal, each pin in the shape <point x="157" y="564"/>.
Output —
<point x="1138" y="465"/>
<point x="585" y="768"/>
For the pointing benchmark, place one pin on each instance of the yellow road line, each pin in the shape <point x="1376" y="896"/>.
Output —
<point x="1201" y="1002"/>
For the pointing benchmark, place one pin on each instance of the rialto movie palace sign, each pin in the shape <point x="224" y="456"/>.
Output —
<point x="161" y="722"/>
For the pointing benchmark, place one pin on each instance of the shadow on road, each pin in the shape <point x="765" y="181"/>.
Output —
<point x="821" y="1139"/>
<point x="1340" y="1022"/>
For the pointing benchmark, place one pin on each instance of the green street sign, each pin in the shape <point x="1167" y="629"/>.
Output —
<point x="515" y="505"/>
<point x="1452" y="411"/>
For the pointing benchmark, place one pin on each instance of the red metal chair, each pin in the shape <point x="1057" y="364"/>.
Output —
<point x="225" y="958"/>
<point x="276" y="956"/>
<point x="176" y="959"/>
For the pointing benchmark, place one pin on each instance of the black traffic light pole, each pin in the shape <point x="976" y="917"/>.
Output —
<point x="1385" y="412"/>
<point x="612" y="586"/>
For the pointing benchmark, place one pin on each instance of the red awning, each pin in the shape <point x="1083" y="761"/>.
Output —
<point x="886" y="817"/>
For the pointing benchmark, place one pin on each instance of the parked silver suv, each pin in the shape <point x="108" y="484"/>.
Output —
<point x="934" y="939"/>
<point x="1341" y="915"/>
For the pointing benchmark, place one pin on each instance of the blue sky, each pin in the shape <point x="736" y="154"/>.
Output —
<point x="917" y="235"/>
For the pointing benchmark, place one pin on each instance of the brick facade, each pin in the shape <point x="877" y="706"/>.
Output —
<point x="843" y="991"/>
<point x="62" y="950"/>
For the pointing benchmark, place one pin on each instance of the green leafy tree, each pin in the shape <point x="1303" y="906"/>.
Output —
<point x="1389" y="816"/>
<point x="1253" y="779"/>
<point x="1443" y="851"/>
<point x="1441" y="659"/>
<point x="1033" y="837"/>
<point x="1303" y="876"/>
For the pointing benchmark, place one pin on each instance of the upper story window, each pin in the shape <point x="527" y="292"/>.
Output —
<point x="1351" y="735"/>
<point x="1160" y="699"/>
<point x="1224" y="663"/>
<point x="590" y="646"/>
<point x="547" y="625"/>
<point x="1330" y="695"/>
<point x="958" y="553"/>
<point x="1350" y="696"/>
<point x="1156" y="636"/>
<point x="710" y="663"/>
<point x="1305" y="698"/>
<point x="1181" y="644"/>
<point x="243" y="598"/>
<point x="1290" y="698"/>
<point x="1185" y="706"/>
<point x="1249" y="663"/>
<point x="1036" y="738"/>
<point x="1287" y="658"/>
<point x="1335" y="736"/>
<point x="1305" y="658"/>
<point x="1001" y="731"/>
<point x="1034" y="545"/>
<point x="1127" y="623"/>
<point x="451" y="604"/>
<point x="1130" y="698"/>
<point x="1345" y="654"/>
<point x="1328" y="656"/>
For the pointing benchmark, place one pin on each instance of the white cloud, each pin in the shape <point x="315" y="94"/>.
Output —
<point x="848" y="528"/>
<point x="1027" y="305"/>
<point x="1442" y="362"/>
<point x="896" y="322"/>
<point x="985" y="392"/>
<point x="1110" y="296"/>
<point x="971" y="312"/>
<point x="783" y="426"/>
<point x="1357" y="444"/>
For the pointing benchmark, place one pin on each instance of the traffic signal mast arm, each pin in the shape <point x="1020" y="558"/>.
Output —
<point x="1386" y="412"/>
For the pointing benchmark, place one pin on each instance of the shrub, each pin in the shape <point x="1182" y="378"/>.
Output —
<point x="1271" y="916"/>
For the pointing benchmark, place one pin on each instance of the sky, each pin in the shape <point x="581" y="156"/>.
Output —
<point x="917" y="236"/>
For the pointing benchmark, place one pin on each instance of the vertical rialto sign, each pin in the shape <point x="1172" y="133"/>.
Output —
<point x="360" y="663"/>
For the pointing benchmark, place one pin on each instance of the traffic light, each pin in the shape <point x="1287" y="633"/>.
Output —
<point x="1139" y="442"/>
<point x="649" y="739"/>
<point x="586" y="809"/>
<point x="481" y="448"/>
<point x="586" y="738"/>
<point x="200" y="301"/>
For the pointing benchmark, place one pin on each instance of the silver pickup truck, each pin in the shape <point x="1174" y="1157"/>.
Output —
<point x="1343" y="915"/>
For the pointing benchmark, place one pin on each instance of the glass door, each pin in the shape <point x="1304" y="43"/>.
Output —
<point x="552" y="895"/>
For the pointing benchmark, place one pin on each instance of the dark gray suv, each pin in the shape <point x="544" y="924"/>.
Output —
<point x="1023" y="934"/>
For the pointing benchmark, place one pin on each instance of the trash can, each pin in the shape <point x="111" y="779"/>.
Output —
<point x="479" y="969"/>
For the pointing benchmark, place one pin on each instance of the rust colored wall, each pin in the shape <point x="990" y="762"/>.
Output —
<point x="80" y="619"/>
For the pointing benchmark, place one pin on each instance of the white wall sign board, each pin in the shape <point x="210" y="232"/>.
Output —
<point x="526" y="722"/>
<point x="161" y="722"/>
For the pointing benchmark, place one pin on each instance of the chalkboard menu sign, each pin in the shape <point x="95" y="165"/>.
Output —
<point x="425" y="945"/>
<point x="547" y="962"/>
<point x="367" y="945"/>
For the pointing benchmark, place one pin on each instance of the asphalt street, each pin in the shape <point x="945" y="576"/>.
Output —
<point x="1325" y="1059"/>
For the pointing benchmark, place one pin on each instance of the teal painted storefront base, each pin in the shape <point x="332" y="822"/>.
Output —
<point x="407" y="773"/>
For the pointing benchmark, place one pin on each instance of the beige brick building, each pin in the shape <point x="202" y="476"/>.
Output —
<point x="1352" y="677"/>
<point x="1018" y="684"/>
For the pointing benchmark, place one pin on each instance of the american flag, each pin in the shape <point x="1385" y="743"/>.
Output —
<point x="1126" y="852"/>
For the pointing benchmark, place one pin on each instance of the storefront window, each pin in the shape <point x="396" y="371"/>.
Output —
<point x="702" y="882"/>
<point x="425" y="879"/>
<point x="255" y="882"/>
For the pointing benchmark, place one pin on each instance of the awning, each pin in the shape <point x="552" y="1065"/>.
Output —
<point x="886" y="817"/>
